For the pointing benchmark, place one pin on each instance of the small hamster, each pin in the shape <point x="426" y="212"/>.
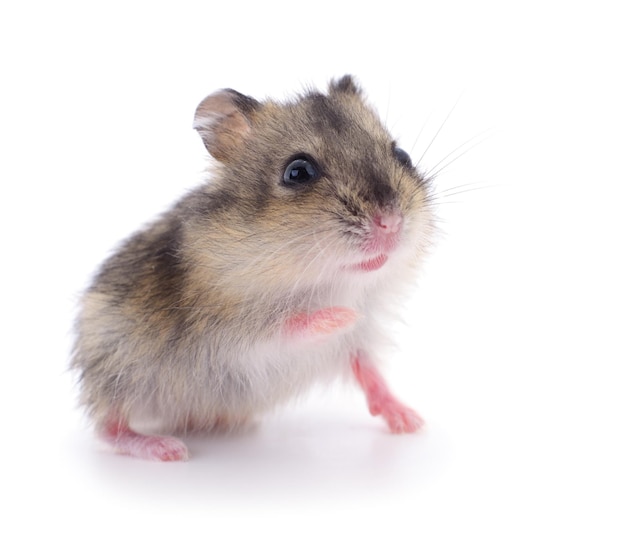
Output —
<point x="274" y="274"/>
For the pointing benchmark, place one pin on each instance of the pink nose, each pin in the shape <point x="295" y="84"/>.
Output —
<point x="388" y="223"/>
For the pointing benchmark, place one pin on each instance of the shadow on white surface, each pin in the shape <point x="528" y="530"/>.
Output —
<point x="314" y="455"/>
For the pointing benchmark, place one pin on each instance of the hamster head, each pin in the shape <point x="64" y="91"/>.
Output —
<point x="309" y="189"/>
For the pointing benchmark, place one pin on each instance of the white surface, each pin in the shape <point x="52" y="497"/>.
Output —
<point x="514" y="348"/>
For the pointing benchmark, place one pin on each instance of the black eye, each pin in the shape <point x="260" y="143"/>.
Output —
<point x="403" y="157"/>
<point x="300" y="171"/>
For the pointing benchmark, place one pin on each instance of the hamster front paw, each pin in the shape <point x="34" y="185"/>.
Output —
<point x="320" y="323"/>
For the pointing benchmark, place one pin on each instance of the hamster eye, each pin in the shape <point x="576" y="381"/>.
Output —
<point x="300" y="171"/>
<point x="403" y="157"/>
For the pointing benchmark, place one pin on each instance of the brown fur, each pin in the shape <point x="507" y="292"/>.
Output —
<point x="176" y="323"/>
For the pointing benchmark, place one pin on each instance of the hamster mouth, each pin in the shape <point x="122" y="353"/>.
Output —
<point x="372" y="264"/>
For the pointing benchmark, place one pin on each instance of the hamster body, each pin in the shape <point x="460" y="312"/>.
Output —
<point x="276" y="273"/>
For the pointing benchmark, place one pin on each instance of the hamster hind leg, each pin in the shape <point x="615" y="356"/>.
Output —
<point x="399" y="417"/>
<point x="124" y="440"/>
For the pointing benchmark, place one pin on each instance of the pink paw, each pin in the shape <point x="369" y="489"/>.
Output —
<point x="399" y="417"/>
<point x="156" y="448"/>
<point x="321" y="322"/>
<point x="148" y="447"/>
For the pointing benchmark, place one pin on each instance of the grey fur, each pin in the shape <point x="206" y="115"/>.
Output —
<point x="182" y="324"/>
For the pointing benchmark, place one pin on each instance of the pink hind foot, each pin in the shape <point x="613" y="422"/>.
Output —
<point x="322" y="322"/>
<point x="147" y="447"/>
<point x="399" y="417"/>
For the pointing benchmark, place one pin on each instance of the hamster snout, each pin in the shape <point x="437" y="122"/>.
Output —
<point x="385" y="232"/>
<point x="276" y="273"/>
<point x="388" y="223"/>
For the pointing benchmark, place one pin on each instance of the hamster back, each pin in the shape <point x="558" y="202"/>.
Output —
<point x="277" y="272"/>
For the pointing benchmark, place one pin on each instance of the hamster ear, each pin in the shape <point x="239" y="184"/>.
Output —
<point x="345" y="84"/>
<point x="223" y="121"/>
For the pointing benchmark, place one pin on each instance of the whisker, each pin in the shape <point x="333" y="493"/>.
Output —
<point x="312" y="233"/>
<point x="439" y="130"/>
<point x="311" y="262"/>
<point x="419" y="134"/>
<point x="460" y="189"/>
<point x="444" y="197"/>
<point x="436" y="170"/>
<point x="432" y="174"/>
<point x="253" y="263"/>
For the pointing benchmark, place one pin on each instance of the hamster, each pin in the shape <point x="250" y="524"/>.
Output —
<point x="276" y="273"/>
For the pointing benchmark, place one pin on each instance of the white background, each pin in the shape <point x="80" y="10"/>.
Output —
<point x="513" y="348"/>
